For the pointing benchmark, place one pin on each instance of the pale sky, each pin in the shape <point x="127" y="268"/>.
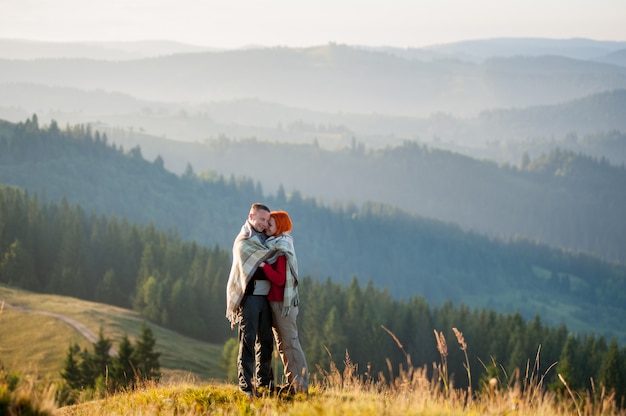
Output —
<point x="236" y="23"/>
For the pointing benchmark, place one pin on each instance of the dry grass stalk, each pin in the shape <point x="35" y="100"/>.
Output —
<point x="442" y="368"/>
<point x="461" y="340"/>
<point x="398" y="343"/>
<point x="570" y="393"/>
<point x="441" y="343"/>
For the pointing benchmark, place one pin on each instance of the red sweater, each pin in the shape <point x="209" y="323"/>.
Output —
<point x="277" y="274"/>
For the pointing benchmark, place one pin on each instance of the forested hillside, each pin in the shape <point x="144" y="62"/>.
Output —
<point x="84" y="168"/>
<point x="57" y="248"/>
<point x="562" y="198"/>
<point x="405" y="254"/>
<point x="416" y="178"/>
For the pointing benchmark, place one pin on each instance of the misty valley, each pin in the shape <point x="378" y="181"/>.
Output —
<point x="429" y="189"/>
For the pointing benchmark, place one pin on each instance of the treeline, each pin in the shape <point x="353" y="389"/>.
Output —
<point x="371" y="328"/>
<point x="181" y="285"/>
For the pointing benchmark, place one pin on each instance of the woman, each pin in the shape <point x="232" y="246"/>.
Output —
<point x="282" y="272"/>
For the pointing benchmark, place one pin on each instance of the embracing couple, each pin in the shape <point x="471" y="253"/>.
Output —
<point x="262" y="297"/>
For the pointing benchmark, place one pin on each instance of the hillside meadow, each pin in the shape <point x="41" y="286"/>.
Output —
<point x="35" y="343"/>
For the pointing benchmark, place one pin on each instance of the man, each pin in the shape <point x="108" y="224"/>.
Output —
<point x="247" y="304"/>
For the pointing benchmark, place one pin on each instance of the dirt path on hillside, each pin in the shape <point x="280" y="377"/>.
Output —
<point x="82" y="329"/>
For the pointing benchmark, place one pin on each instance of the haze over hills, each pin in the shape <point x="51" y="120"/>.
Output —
<point x="525" y="102"/>
<point x="502" y="135"/>
<point x="332" y="78"/>
<point x="331" y="94"/>
<point x="436" y="185"/>
<point x="535" y="201"/>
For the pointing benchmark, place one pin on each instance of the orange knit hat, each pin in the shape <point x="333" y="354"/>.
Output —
<point x="283" y="222"/>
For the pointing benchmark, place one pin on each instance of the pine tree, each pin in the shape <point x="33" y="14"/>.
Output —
<point x="611" y="375"/>
<point x="146" y="359"/>
<point x="567" y="366"/>
<point x="17" y="267"/>
<point x="229" y="359"/>
<point x="107" y="290"/>
<point x="335" y="342"/>
<point x="101" y="359"/>
<point x="71" y="369"/>
<point x="86" y="369"/>
<point x="123" y="368"/>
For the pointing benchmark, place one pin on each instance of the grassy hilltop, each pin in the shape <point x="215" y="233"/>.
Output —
<point x="36" y="330"/>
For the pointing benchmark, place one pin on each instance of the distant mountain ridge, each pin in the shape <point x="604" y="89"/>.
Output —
<point x="474" y="50"/>
<point x="332" y="78"/>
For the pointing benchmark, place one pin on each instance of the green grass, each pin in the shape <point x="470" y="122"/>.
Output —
<point x="554" y="310"/>
<point x="36" y="344"/>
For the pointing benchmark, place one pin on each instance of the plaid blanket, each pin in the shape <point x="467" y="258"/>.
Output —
<point x="248" y="252"/>
<point x="283" y="244"/>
